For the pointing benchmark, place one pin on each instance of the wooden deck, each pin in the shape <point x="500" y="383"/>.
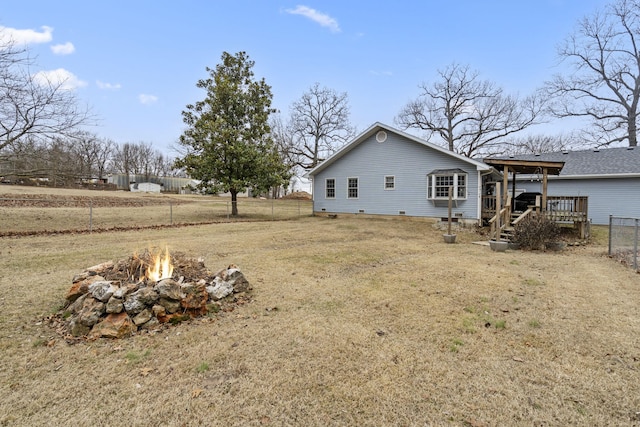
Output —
<point x="560" y="209"/>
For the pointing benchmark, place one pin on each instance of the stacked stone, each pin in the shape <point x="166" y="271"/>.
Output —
<point x="97" y="307"/>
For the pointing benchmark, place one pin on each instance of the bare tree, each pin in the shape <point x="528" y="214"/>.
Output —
<point x="92" y="154"/>
<point x="284" y="143"/>
<point x="468" y="115"/>
<point x="29" y="106"/>
<point x="536" y="144"/>
<point x="604" y="86"/>
<point x="142" y="159"/>
<point x="318" y="125"/>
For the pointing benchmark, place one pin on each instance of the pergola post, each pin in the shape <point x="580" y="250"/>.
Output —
<point x="505" y="184"/>
<point x="498" y="209"/>
<point x="544" y="190"/>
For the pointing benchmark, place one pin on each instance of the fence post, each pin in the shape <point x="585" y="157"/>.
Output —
<point x="610" y="230"/>
<point x="90" y="215"/>
<point x="635" y="246"/>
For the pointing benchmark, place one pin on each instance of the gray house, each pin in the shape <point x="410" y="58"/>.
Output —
<point x="610" y="178"/>
<point x="385" y="171"/>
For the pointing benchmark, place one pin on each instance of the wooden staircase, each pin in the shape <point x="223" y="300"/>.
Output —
<point x="508" y="230"/>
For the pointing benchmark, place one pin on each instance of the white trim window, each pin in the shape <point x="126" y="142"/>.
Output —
<point x="440" y="180"/>
<point x="389" y="182"/>
<point x="330" y="188"/>
<point x="352" y="188"/>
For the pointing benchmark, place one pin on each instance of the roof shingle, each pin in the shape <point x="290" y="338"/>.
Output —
<point x="606" y="161"/>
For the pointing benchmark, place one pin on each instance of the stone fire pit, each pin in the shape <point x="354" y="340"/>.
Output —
<point x="118" y="299"/>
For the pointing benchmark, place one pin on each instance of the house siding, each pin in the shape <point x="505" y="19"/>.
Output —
<point x="607" y="196"/>
<point x="409" y="162"/>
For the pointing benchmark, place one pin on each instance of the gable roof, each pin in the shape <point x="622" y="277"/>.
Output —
<point x="376" y="127"/>
<point x="623" y="161"/>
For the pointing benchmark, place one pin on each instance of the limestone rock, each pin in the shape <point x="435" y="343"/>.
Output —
<point x="137" y="301"/>
<point x="240" y="283"/>
<point x="77" y="329"/>
<point x="169" y="289"/>
<point x="158" y="310"/>
<point x="195" y="299"/>
<point x="76" y="306"/>
<point x="115" y="325"/>
<point x="91" y="311"/>
<point x="102" y="290"/>
<point x="143" y="317"/>
<point x="227" y="281"/>
<point x="124" y="290"/>
<point x="219" y="289"/>
<point x="100" y="268"/>
<point x="81" y="287"/>
<point x="170" y="306"/>
<point x="114" y="305"/>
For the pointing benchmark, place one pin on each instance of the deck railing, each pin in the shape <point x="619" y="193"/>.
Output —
<point x="488" y="206"/>
<point x="567" y="208"/>
<point x="560" y="209"/>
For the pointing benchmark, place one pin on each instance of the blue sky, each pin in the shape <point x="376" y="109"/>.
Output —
<point x="136" y="62"/>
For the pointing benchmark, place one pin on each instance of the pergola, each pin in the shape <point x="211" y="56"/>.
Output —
<point x="525" y="167"/>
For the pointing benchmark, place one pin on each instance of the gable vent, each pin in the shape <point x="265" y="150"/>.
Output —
<point x="381" y="136"/>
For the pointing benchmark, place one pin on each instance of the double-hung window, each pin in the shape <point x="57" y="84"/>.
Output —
<point x="352" y="188"/>
<point x="439" y="182"/>
<point x="330" y="188"/>
<point x="389" y="182"/>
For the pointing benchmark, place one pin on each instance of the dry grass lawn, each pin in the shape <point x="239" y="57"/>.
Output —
<point x="354" y="322"/>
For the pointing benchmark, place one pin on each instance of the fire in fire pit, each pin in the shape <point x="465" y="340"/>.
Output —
<point x="160" y="266"/>
<point x="145" y="292"/>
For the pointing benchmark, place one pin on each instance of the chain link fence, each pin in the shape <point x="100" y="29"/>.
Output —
<point x="623" y="240"/>
<point x="37" y="215"/>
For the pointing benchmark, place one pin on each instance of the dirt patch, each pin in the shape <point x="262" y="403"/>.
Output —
<point x="298" y="195"/>
<point x="61" y="201"/>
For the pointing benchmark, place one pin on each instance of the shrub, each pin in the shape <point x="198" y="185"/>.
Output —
<point x="534" y="232"/>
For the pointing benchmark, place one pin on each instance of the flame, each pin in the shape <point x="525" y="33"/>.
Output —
<point x="160" y="267"/>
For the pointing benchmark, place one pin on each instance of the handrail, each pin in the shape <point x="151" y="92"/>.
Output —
<point x="495" y="217"/>
<point x="522" y="216"/>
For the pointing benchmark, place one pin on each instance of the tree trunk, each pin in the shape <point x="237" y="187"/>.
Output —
<point x="633" y="131"/>
<point x="234" y="202"/>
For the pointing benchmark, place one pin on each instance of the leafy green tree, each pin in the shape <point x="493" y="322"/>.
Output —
<point x="227" y="140"/>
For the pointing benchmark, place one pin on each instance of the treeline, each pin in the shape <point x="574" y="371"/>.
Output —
<point x="82" y="157"/>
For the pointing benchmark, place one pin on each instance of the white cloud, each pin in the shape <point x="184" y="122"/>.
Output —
<point x="318" y="17"/>
<point x="63" y="49"/>
<point x="108" y="86"/>
<point x="147" y="99"/>
<point x="59" y="77"/>
<point x="14" y="35"/>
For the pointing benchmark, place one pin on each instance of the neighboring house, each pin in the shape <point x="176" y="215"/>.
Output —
<point x="609" y="177"/>
<point x="385" y="171"/>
